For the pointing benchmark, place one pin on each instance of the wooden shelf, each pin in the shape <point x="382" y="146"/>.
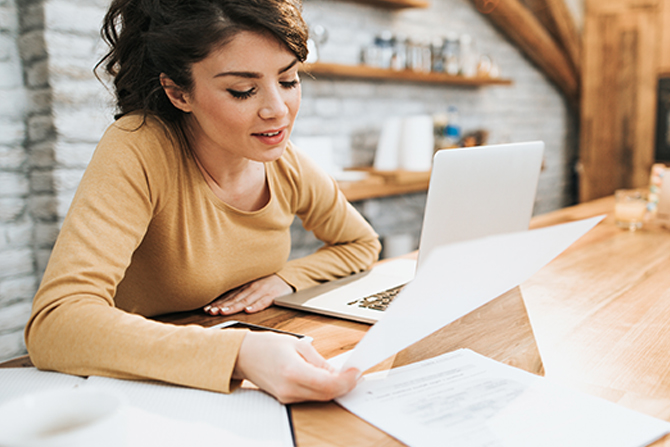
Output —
<point x="396" y="4"/>
<point x="384" y="184"/>
<point x="329" y="70"/>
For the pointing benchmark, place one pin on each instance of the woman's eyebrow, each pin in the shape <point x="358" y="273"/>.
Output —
<point x="289" y="66"/>
<point x="253" y="74"/>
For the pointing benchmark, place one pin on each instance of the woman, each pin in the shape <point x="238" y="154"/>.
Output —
<point x="189" y="195"/>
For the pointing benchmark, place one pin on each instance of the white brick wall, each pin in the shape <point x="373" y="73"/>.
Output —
<point x="53" y="110"/>
<point x="17" y="268"/>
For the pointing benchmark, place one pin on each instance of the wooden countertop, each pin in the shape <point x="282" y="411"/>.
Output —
<point x="600" y="315"/>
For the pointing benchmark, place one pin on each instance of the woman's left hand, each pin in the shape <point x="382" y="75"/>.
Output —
<point x="251" y="297"/>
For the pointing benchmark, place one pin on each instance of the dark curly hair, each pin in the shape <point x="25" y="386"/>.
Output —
<point x="150" y="37"/>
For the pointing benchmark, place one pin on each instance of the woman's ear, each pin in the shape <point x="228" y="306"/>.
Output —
<point x="175" y="94"/>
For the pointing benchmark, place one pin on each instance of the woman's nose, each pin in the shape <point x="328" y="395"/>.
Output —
<point x="273" y="106"/>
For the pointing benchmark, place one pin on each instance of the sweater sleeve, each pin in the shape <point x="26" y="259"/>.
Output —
<point x="75" y="326"/>
<point x="350" y="243"/>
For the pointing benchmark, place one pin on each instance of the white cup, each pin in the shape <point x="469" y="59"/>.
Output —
<point x="63" y="417"/>
<point x="417" y="143"/>
<point x="387" y="156"/>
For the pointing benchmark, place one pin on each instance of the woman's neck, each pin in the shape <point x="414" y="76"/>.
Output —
<point x="237" y="181"/>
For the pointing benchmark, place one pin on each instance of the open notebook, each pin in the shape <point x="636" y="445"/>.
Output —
<point x="473" y="193"/>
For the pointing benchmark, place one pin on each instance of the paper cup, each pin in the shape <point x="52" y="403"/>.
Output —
<point x="63" y="417"/>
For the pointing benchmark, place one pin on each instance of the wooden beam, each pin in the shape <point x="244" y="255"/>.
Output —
<point x="541" y="11"/>
<point x="526" y="31"/>
<point x="564" y="29"/>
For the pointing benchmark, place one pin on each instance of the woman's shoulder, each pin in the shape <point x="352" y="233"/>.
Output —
<point x="141" y="136"/>
<point x="137" y="127"/>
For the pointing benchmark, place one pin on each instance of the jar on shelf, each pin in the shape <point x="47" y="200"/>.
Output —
<point x="437" y="54"/>
<point x="399" y="58"/>
<point x="469" y="58"/>
<point x="451" y="54"/>
<point x="385" y="43"/>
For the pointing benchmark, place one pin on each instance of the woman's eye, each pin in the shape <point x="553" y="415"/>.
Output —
<point x="290" y="84"/>
<point x="242" y="94"/>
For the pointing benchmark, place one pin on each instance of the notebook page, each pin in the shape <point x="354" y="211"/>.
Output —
<point x="16" y="382"/>
<point x="246" y="413"/>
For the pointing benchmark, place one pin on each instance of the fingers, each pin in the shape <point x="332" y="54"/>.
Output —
<point x="318" y="384"/>
<point x="252" y="297"/>
<point x="290" y="369"/>
<point x="316" y="379"/>
<point x="220" y="305"/>
<point x="311" y="355"/>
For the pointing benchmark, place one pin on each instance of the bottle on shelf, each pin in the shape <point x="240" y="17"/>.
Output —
<point x="452" y="131"/>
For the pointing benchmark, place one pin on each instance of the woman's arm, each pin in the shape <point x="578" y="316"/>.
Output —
<point x="75" y="326"/>
<point x="350" y="243"/>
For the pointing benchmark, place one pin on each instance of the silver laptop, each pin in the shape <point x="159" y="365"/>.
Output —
<point x="473" y="193"/>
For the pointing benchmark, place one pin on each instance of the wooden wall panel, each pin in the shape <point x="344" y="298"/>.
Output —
<point x="664" y="47"/>
<point x="597" y="162"/>
<point x="618" y="97"/>
<point x="647" y="22"/>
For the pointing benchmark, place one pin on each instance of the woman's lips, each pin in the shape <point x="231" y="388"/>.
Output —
<point x="271" y="137"/>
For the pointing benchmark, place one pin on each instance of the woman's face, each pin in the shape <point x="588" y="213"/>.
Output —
<point x="244" y="100"/>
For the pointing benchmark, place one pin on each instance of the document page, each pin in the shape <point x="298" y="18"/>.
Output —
<point x="463" y="399"/>
<point x="457" y="279"/>
<point x="249" y="415"/>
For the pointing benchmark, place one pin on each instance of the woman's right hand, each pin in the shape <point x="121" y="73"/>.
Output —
<point x="290" y="369"/>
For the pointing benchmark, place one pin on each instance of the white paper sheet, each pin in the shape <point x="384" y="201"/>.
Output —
<point x="458" y="278"/>
<point x="463" y="399"/>
<point x="150" y="429"/>
<point x="168" y="415"/>
<point x="248" y="414"/>
<point x="16" y="382"/>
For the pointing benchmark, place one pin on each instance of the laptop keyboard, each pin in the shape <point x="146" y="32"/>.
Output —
<point x="379" y="300"/>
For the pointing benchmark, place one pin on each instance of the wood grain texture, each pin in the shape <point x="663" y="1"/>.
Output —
<point x="519" y="24"/>
<point x="664" y="46"/>
<point x="618" y="102"/>
<point x="557" y="19"/>
<point x="600" y="310"/>
<point x="320" y="70"/>
<point x="599" y="315"/>
<point x="499" y="329"/>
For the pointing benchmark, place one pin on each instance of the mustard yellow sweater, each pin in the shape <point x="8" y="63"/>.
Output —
<point x="146" y="236"/>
